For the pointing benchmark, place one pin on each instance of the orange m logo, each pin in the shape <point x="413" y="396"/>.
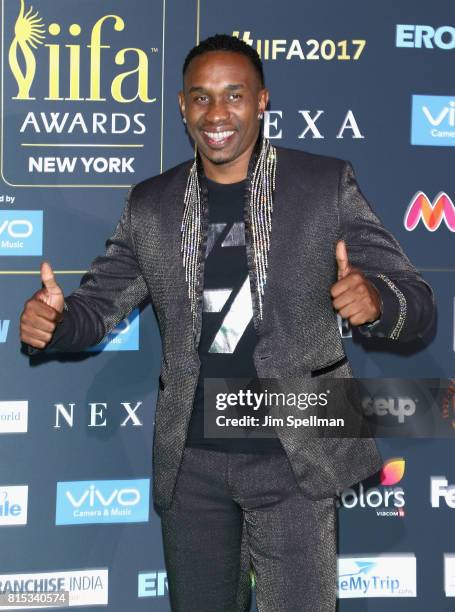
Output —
<point x="431" y="213"/>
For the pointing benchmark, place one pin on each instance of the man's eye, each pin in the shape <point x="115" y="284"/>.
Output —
<point x="201" y="98"/>
<point x="234" y="96"/>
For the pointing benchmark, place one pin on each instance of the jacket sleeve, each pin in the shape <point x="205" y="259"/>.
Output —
<point x="111" y="288"/>
<point x="407" y="300"/>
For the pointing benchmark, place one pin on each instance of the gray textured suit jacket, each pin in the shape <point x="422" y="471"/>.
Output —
<point x="317" y="202"/>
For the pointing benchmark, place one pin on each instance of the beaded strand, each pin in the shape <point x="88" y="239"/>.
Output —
<point x="261" y="208"/>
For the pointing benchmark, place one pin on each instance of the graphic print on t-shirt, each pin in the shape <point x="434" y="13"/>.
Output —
<point x="232" y="305"/>
<point x="228" y="337"/>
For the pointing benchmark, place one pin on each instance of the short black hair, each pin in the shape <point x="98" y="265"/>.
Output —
<point x="224" y="42"/>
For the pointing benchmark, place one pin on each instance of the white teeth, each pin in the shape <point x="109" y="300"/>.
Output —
<point x="219" y="136"/>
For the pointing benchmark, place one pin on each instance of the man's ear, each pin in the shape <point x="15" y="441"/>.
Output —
<point x="182" y="102"/>
<point x="263" y="99"/>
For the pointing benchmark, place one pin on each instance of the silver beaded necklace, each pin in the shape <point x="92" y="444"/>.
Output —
<point x="261" y="208"/>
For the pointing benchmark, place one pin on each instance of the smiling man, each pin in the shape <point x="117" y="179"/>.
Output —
<point x="221" y="103"/>
<point x="247" y="254"/>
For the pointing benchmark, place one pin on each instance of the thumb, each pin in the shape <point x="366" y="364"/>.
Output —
<point x="47" y="276"/>
<point x="341" y="255"/>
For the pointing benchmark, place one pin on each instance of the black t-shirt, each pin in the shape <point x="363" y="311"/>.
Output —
<point x="228" y="336"/>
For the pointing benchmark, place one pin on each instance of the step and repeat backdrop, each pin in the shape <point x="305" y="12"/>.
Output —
<point x="89" y="107"/>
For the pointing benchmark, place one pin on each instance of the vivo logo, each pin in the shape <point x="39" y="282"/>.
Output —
<point x="102" y="501"/>
<point x="21" y="232"/>
<point x="92" y="495"/>
<point x="433" y="121"/>
<point x="447" y="112"/>
<point x="18" y="228"/>
<point x="122" y="328"/>
<point x="125" y="337"/>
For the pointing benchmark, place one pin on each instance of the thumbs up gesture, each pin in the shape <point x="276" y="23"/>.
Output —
<point x="353" y="296"/>
<point x="43" y="311"/>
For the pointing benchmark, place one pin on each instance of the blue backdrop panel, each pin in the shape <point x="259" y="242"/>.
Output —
<point x="88" y="108"/>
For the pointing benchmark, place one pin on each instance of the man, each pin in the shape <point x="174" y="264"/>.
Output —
<point x="246" y="254"/>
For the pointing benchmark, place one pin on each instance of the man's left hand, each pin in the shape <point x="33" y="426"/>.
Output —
<point x="354" y="297"/>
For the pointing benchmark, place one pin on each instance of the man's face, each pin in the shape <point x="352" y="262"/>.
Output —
<point x="221" y="100"/>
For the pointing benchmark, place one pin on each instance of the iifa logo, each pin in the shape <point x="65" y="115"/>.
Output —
<point x="13" y="505"/>
<point x="21" y="232"/>
<point x="125" y="337"/>
<point x="387" y="499"/>
<point x="102" y="501"/>
<point x="81" y="92"/>
<point x="431" y="213"/>
<point x="4" y="326"/>
<point x="152" y="584"/>
<point x="433" y="121"/>
<point x="30" y="32"/>
<point x="311" y="49"/>
<point x="381" y="576"/>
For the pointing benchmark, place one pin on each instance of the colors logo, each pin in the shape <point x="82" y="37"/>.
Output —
<point x="392" y="472"/>
<point x="387" y="499"/>
<point x="432" y="213"/>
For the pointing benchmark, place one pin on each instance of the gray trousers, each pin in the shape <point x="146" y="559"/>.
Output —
<point x="236" y="512"/>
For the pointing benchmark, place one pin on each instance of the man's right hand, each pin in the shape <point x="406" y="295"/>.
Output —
<point x="42" y="311"/>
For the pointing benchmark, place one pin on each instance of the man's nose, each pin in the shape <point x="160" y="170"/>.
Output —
<point x="217" y="112"/>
